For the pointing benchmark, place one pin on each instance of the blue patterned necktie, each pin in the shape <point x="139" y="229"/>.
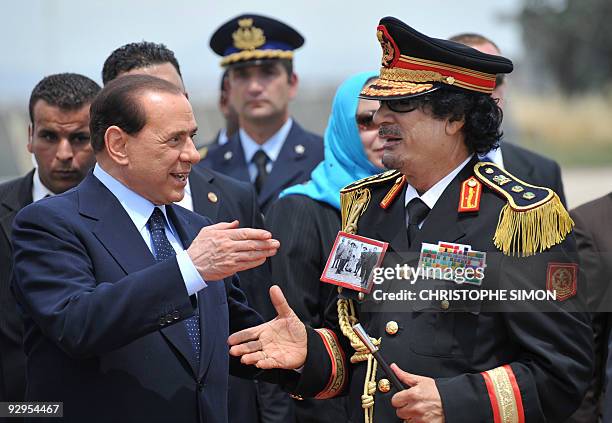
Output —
<point x="162" y="250"/>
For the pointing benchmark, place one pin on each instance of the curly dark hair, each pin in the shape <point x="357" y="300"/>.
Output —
<point x="137" y="55"/>
<point x="68" y="91"/>
<point x="481" y="113"/>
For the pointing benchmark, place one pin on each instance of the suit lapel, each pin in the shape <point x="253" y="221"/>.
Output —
<point x="15" y="200"/>
<point x="200" y="181"/>
<point x="286" y="167"/>
<point x="231" y="160"/>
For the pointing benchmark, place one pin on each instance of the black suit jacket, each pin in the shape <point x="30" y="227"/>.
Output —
<point x="533" y="168"/>
<point x="14" y="195"/>
<point x="293" y="165"/>
<point x="236" y="200"/>
<point x="101" y="315"/>
<point x="594" y="238"/>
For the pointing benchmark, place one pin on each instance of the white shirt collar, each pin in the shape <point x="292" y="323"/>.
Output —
<point x="222" y="138"/>
<point x="137" y="207"/>
<point x="494" y="156"/>
<point x="271" y="147"/>
<point x="431" y="196"/>
<point x="39" y="190"/>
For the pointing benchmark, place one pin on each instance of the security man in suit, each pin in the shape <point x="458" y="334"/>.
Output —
<point x="521" y="162"/>
<point x="270" y="149"/>
<point x="460" y="356"/>
<point x="58" y="138"/>
<point x="221" y="199"/>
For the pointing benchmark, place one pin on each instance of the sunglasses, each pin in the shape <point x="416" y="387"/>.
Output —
<point x="365" y="121"/>
<point x="402" y="105"/>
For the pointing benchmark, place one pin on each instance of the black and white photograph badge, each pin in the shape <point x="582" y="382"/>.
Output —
<point x="352" y="261"/>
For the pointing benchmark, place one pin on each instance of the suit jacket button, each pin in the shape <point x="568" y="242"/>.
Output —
<point x="168" y="318"/>
<point x="200" y="386"/>
<point x="162" y="321"/>
<point x="176" y="315"/>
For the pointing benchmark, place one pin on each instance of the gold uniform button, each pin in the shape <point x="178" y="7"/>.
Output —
<point x="212" y="197"/>
<point x="384" y="386"/>
<point x="392" y="327"/>
<point x="444" y="304"/>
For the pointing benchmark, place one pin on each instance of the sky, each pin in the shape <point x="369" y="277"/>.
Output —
<point x="42" y="37"/>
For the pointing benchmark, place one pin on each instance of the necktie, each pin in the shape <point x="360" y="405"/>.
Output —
<point x="417" y="212"/>
<point x="162" y="250"/>
<point x="260" y="158"/>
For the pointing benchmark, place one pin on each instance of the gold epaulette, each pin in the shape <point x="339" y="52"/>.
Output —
<point x="533" y="218"/>
<point x="371" y="180"/>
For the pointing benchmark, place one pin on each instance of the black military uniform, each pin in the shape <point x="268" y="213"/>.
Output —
<point x="492" y="361"/>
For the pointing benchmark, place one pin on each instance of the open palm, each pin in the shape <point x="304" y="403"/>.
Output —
<point x="279" y="343"/>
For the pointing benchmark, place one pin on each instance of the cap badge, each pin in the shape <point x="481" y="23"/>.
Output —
<point x="247" y="36"/>
<point x="390" y="50"/>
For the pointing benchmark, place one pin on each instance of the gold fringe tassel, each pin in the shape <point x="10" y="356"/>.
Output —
<point x="525" y="233"/>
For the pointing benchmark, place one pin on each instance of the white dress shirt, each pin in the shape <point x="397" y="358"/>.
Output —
<point x="39" y="190"/>
<point x="271" y="147"/>
<point x="140" y="209"/>
<point x="432" y="195"/>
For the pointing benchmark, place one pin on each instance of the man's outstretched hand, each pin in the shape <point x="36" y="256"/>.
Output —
<point x="277" y="344"/>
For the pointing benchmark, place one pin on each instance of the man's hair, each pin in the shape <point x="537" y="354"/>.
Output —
<point x="472" y="39"/>
<point x="481" y="114"/>
<point x="118" y="104"/>
<point x="68" y="91"/>
<point x="135" y="56"/>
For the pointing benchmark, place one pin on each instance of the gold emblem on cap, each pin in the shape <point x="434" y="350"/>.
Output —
<point x="517" y="188"/>
<point x="384" y="386"/>
<point x="387" y="47"/>
<point x="247" y="36"/>
<point x="299" y="149"/>
<point x="213" y="197"/>
<point x="392" y="327"/>
<point x="529" y="195"/>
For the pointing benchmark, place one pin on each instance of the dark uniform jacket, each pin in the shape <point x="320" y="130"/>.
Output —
<point x="299" y="155"/>
<point x="14" y="195"/>
<point x="485" y="360"/>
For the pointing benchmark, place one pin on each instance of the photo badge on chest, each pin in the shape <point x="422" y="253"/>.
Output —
<point x="352" y="261"/>
<point x="452" y="262"/>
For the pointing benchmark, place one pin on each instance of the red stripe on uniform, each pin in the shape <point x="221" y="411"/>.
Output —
<point x="492" y="397"/>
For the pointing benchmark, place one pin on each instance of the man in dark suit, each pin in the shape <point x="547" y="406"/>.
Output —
<point x="58" y="138"/>
<point x="221" y="199"/>
<point x="270" y="149"/>
<point x="594" y="240"/>
<point x="459" y="357"/>
<point x="126" y="309"/>
<point x="526" y="165"/>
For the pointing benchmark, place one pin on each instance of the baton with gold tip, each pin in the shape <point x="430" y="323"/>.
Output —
<point x="361" y="333"/>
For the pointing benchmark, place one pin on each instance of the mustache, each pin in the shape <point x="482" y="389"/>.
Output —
<point x="389" y="131"/>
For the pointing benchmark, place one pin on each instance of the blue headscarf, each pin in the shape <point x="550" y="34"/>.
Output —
<point x="345" y="159"/>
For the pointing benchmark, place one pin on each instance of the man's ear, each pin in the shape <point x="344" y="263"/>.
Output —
<point x="454" y="126"/>
<point x="30" y="137"/>
<point x="293" y="85"/>
<point x="116" y="140"/>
